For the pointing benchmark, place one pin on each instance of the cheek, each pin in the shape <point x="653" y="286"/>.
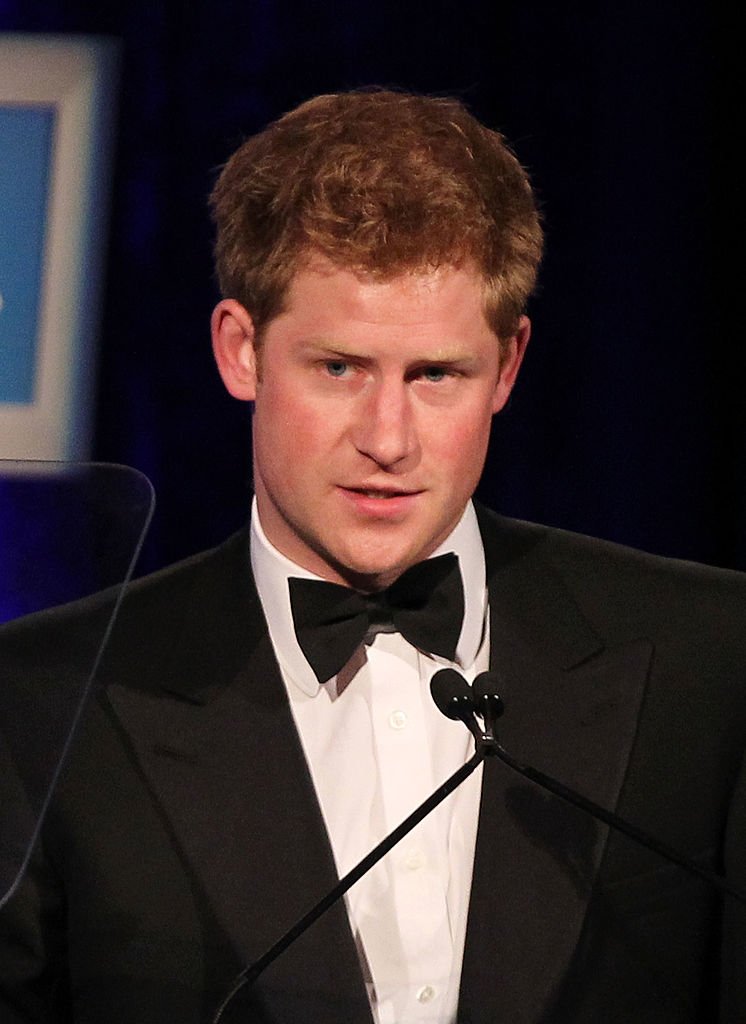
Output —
<point x="290" y="434"/>
<point x="463" y="439"/>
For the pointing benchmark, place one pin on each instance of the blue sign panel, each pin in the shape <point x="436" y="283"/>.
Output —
<point x="26" y="135"/>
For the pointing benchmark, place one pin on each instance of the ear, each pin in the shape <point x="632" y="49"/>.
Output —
<point x="233" y="346"/>
<point x="512" y="358"/>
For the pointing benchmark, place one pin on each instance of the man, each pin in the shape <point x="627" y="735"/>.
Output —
<point x="376" y="251"/>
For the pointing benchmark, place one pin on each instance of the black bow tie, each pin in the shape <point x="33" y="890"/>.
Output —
<point x="425" y="605"/>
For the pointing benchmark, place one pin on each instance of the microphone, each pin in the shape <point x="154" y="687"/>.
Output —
<point x="459" y="701"/>
<point x="455" y="700"/>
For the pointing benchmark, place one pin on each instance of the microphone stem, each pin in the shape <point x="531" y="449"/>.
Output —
<point x="251" y="973"/>
<point x="569" y="795"/>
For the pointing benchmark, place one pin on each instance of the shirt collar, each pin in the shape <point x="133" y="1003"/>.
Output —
<point x="272" y="569"/>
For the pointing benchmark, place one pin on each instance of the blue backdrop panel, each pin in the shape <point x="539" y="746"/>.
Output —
<point x="25" y="151"/>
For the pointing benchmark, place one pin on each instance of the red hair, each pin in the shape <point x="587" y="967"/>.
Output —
<point x="382" y="183"/>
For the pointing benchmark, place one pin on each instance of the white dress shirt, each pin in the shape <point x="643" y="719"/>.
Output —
<point x="375" y="751"/>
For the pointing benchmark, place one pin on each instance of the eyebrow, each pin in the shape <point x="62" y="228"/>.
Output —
<point x="442" y="356"/>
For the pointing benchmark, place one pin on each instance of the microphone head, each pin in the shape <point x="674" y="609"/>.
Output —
<point x="486" y="697"/>
<point x="452" y="694"/>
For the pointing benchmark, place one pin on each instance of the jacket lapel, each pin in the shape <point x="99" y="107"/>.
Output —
<point x="571" y="711"/>
<point x="212" y="731"/>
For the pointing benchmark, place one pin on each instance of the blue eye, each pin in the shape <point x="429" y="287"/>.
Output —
<point x="434" y="374"/>
<point x="336" y="368"/>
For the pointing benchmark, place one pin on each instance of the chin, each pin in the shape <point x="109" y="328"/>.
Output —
<point x="374" y="574"/>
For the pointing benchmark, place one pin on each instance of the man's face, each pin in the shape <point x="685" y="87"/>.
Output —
<point x="373" y="405"/>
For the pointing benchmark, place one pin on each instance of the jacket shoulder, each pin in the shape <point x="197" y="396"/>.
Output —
<point x="140" y="624"/>
<point x="613" y="583"/>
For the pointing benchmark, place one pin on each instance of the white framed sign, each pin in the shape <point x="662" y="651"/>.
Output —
<point x="56" y="115"/>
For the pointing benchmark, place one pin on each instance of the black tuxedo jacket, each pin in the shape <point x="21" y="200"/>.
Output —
<point x="185" y="835"/>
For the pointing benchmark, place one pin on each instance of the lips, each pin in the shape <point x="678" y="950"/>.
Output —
<point x="371" y="492"/>
<point x="383" y="493"/>
<point x="380" y="501"/>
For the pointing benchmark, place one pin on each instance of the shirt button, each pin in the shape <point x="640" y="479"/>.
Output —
<point x="426" y="994"/>
<point x="397" y="719"/>
<point x="414" y="860"/>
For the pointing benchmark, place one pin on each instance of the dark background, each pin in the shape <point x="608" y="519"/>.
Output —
<point x="628" y="421"/>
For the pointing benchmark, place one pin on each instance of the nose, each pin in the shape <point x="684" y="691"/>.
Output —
<point x="385" y="430"/>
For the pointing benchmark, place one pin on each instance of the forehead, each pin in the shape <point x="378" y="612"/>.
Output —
<point x="322" y="296"/>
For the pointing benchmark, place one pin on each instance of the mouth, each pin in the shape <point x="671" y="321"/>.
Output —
<point x="381" y="501"/>
<point x="384" y="493"/>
